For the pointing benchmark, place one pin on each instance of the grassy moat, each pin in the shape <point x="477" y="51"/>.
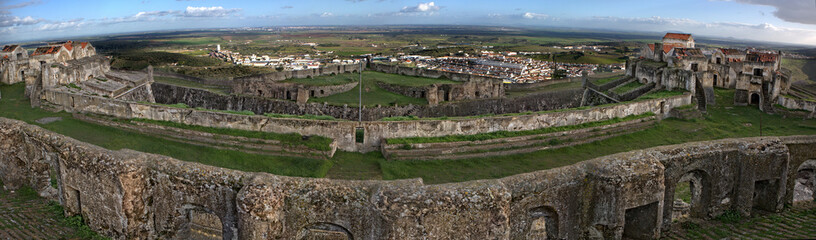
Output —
<point x="722" y="121"/>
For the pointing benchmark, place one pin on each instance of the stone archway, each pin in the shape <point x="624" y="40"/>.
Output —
<point x="690" y="195"/>
<point x="805" y="183"/>
<point x="544" y="224"/>
<point x="200" y="223"/>
<point x="755" y="99"/>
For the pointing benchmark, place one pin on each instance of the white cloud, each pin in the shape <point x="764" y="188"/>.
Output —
<point x="60" y="26"/>
<point x="530" y="15"/>
<point x="326" y="14"/>
<point x="421" y="7"/>
<point x="10" y="21"/>
<point x="209" y="11"/>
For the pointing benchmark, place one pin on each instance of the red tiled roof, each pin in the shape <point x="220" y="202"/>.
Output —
<point x="731" y="51"/>
<point x="679" y="36"/>
<point x="666" y="47"/>
<point x="83" y="44"/>
<point x="761" y="57"/>
<point x="10" y="48"/>
<point x="688" y="52"/>
<point x="46" y="50"/>
<point x="5" y="57"/>
<point x="69" y="46"/>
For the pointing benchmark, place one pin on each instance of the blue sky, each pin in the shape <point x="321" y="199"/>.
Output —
<point x="789" y="21"/>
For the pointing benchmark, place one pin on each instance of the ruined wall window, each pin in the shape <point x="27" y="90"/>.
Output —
<point x="422" y="94"/>
<point x="477" y="94"/>
<point x="715" y="79"/>
<point x="312" y="93"/>
<point x="544" y="223"/>
<point x="641" y="222"/>
<point x="321" y="92"/>
<point x="288" y="95"/>
<point x="695" y="67"/>
<point x="719" y="60"/>
<point x="19" y="56"/>
<point x="765" y="192"/>
<point x="359" y="135"/>
<point x="758" y="72"/>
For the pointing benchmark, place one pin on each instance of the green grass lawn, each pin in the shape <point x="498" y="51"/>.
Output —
<point x="628" y="87"/>
<point x="14" y="105"/>
<point x="191" y="84"/>
<point x="723" y="121"/>
<point x="373" y="95"/>
<point x="801" y="69"/>
<point x="521" y="92"/>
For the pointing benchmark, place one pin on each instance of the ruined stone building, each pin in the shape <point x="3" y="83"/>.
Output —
<point x="72" y="67"/>
<point x="19" y="66"/>
<point x="675" y="63"/>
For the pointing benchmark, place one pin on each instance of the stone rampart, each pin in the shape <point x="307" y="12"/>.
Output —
<point x="429" y="73"/>
<point x="797" y="104"/>
<point x="306" y="73"/>
<point x="170" y="94"/>
<point x="132" y="195"/>
<point x="343" y="132"/>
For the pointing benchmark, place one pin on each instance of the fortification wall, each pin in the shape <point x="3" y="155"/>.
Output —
<point x="307" y="73"/>
<point x="796" y="104"/>
<point x="287" y="91"/>
<point x="344" y="131"/>
<point x="428" y="73"/>
<point x="132" y="195"/>
<point x="169" y="94"/>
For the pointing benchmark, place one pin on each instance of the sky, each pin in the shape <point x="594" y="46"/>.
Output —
<point x="784" y="21"/>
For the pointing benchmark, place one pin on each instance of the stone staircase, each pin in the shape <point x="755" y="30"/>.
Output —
<point x="218" y="141"/>
<point x="513" y="145"/>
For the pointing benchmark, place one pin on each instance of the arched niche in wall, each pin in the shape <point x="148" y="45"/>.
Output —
<point x="544" y="223"/>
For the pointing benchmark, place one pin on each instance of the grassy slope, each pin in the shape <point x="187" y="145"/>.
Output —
<point x="628" y="87"/>
<point x="723" y="121"/>
<point x="13" y="105"/>
<point x="801" y="69"/>
<point x="373" y="95"/>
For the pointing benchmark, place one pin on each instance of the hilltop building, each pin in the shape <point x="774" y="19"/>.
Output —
<point x="676" y="63"/>
<point x="17" y="65"/>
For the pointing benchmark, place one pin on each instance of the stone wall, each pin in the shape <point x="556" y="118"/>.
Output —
<point x="131" y="195"/>
<point x="797" y="104"/>
<point x="307" y="73"/>
<point x="288" y="91"/>
<point x="170" y="94"/>
<point x="375" y="131"/>
<point x="428" y="73"/>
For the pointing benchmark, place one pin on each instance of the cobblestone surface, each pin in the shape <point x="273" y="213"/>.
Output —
<point x="798" y="222"/>
<point x="24" y="215"/>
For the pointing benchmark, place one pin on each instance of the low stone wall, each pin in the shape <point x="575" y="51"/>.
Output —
<point x="288" y="91"/>
<point x="797" y="104"/>
<point x="428" y="73"/>
<point x="307" y="73"/>
<point x="133" y="195"/>
<point x="170" y="94"/>
<point x="344" y="131"/>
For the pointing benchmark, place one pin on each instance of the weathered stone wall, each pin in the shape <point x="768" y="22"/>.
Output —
<point x="375" y="131"/>
<point x="797" y="104"/>
<point x="429" y="73"/>
<point x="307" y="73"/>
<point x="287" y="91"/>
<point x="132" y="195"/>
<point x="169" y="94"/>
